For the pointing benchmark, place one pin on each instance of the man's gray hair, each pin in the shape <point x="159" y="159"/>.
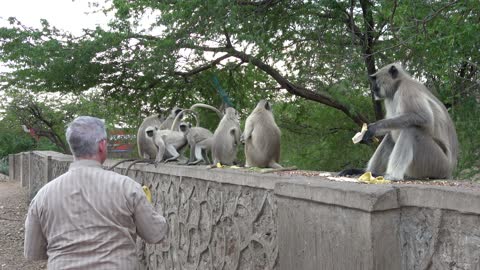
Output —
<point x="83" y="135"/>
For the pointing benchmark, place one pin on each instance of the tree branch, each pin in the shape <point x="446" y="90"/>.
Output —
<point x="257" y="3"/>
<point x="204" y="67"/>
<point x="296" y="89"/>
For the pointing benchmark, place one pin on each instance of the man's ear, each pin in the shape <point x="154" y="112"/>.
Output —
<point x="102" y="146"/>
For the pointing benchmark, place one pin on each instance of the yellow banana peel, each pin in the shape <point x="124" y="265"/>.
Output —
<point x="369" y="179"/>
<point x="219" y="165"/>
<point x="147" y="193"/>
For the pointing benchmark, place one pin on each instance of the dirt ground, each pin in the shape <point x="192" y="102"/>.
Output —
<point x="13" y="210"/>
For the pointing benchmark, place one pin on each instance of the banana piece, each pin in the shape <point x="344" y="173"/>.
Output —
<point x="358" y="137"/>
<point x="147" y="193"/>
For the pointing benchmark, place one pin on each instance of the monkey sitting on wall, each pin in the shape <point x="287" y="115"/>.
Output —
<point x="420" y="139"/>
<point x="199" y="140"/>
<point x="146" y="146"/>
<point x="262" y="138"/>
<point x="226" y="138"/>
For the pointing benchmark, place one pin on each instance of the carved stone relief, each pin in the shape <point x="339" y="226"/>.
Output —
<point x="212" y="225"/>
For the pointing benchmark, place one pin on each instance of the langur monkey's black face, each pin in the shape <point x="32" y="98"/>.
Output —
<point x="149" y="131"/>
<point x="376" y="89"/>
<point x="385" y="81"/>
<point x="184" y="127"/>
<point x="178" y="111"/>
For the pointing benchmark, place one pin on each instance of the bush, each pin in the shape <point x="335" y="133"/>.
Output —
<point x="4" y="165"/>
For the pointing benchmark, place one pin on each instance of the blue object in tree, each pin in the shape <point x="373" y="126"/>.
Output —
<point x="221" y="92"/>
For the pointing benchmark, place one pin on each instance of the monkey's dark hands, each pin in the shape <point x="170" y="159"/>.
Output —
<point x="369" y="135"/>
<point x="242" y="139"/>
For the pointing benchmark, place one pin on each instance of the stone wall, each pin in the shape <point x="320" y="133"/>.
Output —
<point x="238" y="219"/>
<point x="216" y="221"/>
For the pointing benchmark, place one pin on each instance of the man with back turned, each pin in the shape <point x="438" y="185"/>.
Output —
<point x="88" y="218"/>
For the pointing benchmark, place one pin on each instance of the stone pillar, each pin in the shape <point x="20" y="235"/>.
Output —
<point x="48" y="169"/>
<point x="332" y="225"/>
<point x="11" y="167"/>
<point x="25" y="169"/>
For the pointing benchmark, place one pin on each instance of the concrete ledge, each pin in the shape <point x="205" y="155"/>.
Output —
<point x="461" y="199"/>
<point x="55" y="155"/>
<point x="240" y="177"/>
<point x="352" y="195"/>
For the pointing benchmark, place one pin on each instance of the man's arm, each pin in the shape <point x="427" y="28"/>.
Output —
<point x="151" y="226"/>
<point x="35" y="244"/>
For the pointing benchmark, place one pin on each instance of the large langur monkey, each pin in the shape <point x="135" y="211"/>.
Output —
<point x="226" y="138"/>
<point x="146" y="146"/>
<point x="172" y="141"/>
<point x="420" y="139"/>
<point x="262" y="138"/>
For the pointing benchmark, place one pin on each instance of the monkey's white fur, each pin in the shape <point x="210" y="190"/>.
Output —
<point x="226" y="138"/>
<point x="421" y="141"/>
<point x="146" y="146"/>
<point x="200" y="141"/>
<point x="262" y="138"/>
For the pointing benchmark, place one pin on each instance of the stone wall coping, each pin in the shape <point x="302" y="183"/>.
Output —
<point x="241" y="176"/>
<point x="461" y="199"/>
<point x="379" y="197"/>
<point x="54" y="155"/>
<point x="365" y="197"/>
<point x="348" y="194"/>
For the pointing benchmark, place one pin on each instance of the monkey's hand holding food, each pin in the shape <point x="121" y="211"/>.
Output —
<point x="369" y="179"/>
<point x="147" y="193"/>
<point x="364" y="136"/>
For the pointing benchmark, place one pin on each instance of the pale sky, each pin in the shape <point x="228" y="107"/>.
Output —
<point x="66" y="15"/>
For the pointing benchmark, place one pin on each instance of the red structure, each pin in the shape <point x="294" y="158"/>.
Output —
<point x="121" y="141"/>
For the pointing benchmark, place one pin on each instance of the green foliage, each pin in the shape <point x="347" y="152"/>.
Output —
<point x="4" y="166"/>
<point x="317" y="138"/>
<point x="468" y="130"/>
<point x="12" y="142"/>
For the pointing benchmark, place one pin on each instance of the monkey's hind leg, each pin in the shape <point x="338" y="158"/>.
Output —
<point x="402" y="154"/>
<point x="172" y="152"/>
<point x="379" y="161"/>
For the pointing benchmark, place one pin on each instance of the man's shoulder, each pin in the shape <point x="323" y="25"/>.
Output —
<point x="117" y="176"/>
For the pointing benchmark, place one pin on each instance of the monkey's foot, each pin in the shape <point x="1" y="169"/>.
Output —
<point x="269" y="170"/>
<point x="170" y="159"/>
<point x="195" y="162"/>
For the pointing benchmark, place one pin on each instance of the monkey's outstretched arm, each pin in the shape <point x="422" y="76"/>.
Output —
<point x="399" y="122"/>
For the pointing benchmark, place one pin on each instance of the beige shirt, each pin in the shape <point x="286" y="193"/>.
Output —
<point x="88" y="218"/>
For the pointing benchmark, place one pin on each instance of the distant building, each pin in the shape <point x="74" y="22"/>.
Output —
<point x="121" y="143"/>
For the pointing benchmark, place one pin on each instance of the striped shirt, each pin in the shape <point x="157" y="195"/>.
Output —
<point x="88" y="218"/>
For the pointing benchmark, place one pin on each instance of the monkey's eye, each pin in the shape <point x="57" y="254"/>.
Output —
<point x="150" y="133"/>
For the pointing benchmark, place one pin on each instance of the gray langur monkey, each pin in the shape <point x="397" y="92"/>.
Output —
<point x="168" y="143"/>
<point x="167" y="124"/>
<point x="420" y="139"/>
<point x="146" y="146"/>
<point x="200" y="141"/>
<point x="157" y="141"/>
<point x="262" y="138"/>
<point x="226" y="138"/>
